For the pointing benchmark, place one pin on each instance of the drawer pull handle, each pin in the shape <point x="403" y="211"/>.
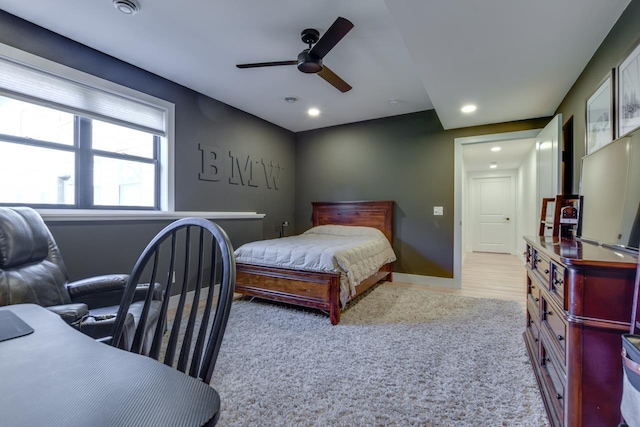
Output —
<point x="558" y="396"/>
<point x="548" y="313"/>
<point x="560" y="337"/>
<point x="537" y="299"/>
<point x="531" y="321"/>
<point x="535" y="339"/>
<point x="532" y="287"/>
<point x="557" y="281"/>
<point x="546" y="271"/>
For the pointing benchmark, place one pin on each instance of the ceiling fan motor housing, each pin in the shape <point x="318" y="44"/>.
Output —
<point x="308" y="63"/>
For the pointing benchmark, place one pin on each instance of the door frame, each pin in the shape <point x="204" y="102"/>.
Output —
<point x="506" y="173"/>
<point x="458" y="190"/>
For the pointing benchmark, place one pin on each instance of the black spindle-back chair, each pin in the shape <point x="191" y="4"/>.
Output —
<point x="189" y="257"/>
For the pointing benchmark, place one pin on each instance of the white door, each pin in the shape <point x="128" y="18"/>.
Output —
<point x="549" y="161"/>
<point x="492" y="214"/>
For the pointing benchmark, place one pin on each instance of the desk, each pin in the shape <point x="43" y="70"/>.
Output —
<point x="58" y="376"/>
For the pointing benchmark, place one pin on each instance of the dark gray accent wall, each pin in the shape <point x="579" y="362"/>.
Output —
<point x="104" y="247"/>
<point x="408" y="159"/>
<point x="624" y="35"/>
<point x="93" y="248"/>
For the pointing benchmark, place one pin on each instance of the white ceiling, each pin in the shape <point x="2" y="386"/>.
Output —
<point x="515" y="59"/>
<point x="478" y="157"/>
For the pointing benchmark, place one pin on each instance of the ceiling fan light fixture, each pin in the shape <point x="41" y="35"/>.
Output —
<point x="128" y="7"/>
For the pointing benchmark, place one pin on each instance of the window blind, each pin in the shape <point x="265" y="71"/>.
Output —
<point x="48" y="89"/>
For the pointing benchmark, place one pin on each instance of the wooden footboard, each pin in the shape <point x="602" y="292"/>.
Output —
<point x="299" y="287"/>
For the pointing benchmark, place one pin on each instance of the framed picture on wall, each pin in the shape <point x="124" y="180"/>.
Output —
<point x="599" y="111"/>
<point x="629" y="93"/>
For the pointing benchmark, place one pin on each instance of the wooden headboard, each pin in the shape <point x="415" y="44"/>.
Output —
<point x="377" y="214"/>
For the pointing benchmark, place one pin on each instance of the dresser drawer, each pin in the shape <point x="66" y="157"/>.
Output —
<point x="554" y="380"/>
<point x="529" y="255"/>
<point x="542" y="266"/>
<point x="553" y="320"/>
<point x="533" y="326"/>
<point x="533" y="288"/>
<point x="557" y="281"/>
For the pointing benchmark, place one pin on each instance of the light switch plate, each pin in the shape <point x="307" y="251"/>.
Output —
<point x="438" y="210"/>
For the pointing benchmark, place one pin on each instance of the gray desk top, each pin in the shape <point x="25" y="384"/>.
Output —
<point x="57" y="376"/>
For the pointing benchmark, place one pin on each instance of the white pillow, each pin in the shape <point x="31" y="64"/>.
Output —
<point x="345" y="230"/>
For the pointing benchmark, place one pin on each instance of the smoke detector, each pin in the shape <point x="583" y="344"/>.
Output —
<point x="128" y="7"/>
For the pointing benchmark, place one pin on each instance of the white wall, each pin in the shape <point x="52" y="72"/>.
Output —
<point x="527" y="218"/>
<point x="465" y="217"/>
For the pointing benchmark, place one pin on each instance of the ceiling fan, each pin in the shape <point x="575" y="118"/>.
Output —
<point x="310" y="60"/>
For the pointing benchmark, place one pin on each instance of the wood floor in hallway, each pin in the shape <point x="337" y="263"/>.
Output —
<point x="489" y="275"/>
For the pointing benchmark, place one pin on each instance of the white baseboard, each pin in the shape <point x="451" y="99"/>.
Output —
<point x="416" y="279"/>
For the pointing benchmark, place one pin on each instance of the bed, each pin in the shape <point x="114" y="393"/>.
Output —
<point x="318" y="289"/>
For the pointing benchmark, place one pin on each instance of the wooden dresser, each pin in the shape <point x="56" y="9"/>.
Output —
<point x="579" y="302"/>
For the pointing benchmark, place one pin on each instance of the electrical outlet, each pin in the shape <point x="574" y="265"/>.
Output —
<point x="438" y="210"/>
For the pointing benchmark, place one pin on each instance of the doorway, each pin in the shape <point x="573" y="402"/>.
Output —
<point x="460" y="190"/>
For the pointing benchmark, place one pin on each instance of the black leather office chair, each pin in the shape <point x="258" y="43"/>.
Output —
<point x="195" y="257"/>
<point x="32" y="271"/>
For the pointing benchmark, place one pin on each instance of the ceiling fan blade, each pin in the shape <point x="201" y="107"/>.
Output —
<point x="333" y="79"/>
<point x="334" y="34"/>
<point x="267" y="64"/>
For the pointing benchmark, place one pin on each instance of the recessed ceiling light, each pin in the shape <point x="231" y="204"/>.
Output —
<point x="291" y="99"/>
<point x="393" y="101"/>
<point x="128" y="7"/>
<point x="468" y="108"/>
<point x="313" y="112"/>
<point x="493" y="165"/>
<point x="496" y="149"/>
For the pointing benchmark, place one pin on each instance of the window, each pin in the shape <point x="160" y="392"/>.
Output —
<point x="55" y="158"/>
<point x="72" y="140"/>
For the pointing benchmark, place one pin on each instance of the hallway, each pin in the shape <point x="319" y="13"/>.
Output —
<point x="492" y="275"/>
<point x="488" y="275"/>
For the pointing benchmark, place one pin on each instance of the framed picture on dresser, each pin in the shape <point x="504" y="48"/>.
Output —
<point x="599" y="111"/>
<point x="628" y="93"/>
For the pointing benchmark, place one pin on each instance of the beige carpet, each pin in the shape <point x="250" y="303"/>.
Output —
<point x="399" y="357"/>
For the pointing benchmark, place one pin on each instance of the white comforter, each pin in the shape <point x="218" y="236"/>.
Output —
<point x="356" y="252"/>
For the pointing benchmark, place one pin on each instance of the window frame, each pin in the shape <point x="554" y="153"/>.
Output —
<point x="165" y="145"/>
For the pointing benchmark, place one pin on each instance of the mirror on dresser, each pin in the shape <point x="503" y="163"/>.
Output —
<point x="610" y="186"/>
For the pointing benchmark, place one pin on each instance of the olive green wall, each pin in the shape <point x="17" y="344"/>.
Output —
<point x="408" y="159"/>
<point x="624" y="35"/>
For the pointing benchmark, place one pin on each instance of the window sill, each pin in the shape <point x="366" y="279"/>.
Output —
<point x="132" y="215"/>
